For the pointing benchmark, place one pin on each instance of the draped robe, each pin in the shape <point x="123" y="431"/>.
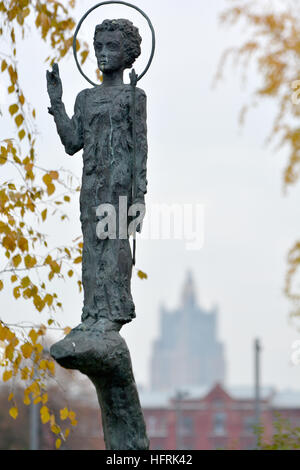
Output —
<point x="102" y="127"/>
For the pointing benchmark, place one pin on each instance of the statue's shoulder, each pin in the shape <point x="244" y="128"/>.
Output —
<point x="81" y="98"/>
<point x="84" y="93"/>
<point x="128" y="89"/>
<point x="140" y="92"/>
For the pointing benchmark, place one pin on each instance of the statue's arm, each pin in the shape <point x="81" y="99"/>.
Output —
<point x="69" y="130"/>
<point x="141" y="147"/>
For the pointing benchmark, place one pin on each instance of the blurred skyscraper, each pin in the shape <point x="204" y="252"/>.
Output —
<point x="187" y="353"/>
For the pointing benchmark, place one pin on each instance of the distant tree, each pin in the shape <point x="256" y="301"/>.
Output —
<point x="15" y="434"/>
<point x="273" y="45"/>
<point x="285" y="436"/>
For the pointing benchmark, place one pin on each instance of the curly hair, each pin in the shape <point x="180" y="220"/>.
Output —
<point x="132" y="38"/>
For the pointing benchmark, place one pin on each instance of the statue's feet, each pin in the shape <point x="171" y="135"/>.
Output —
<point x="92" y="347"/>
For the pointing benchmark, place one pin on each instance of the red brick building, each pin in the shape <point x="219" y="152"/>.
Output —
<point x="218" y="418"/>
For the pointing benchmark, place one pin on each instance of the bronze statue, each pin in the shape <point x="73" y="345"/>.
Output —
<point x="107" y="124"/>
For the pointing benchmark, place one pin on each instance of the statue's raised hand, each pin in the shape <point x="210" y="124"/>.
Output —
<point x="54" y="85"/>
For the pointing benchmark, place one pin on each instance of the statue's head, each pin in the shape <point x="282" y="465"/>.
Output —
<point x="117" y="44"/>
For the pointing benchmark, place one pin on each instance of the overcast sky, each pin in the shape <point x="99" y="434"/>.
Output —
<point x="198" y="155"/>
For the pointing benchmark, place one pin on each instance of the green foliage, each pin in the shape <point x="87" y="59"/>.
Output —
<point x="285" y="437"/>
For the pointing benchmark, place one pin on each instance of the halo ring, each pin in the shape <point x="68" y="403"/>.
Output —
<point x="108" y="3"/>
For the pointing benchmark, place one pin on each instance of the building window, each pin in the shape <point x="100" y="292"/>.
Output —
<point x="151" y="425"/>
<point x="218" y="403"/>
<point x="156" y="426"/>
<point x="249" y="423"/>
<point x="186" y="425"/>
<point x="219" y="423"/>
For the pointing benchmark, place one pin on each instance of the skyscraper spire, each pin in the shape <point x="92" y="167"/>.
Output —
<point x="188" y="297"/>
<point x="187" y="352"/>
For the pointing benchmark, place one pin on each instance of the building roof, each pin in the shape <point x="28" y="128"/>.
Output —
<point x="286" y="399"/>
<point x="162" y="399"/>
<point x="245" y="392"/>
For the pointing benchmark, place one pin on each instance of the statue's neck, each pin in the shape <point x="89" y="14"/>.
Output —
<point x="113" y="79"/>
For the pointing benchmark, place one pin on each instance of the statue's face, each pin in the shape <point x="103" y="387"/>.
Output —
<point x="109" y="51"/>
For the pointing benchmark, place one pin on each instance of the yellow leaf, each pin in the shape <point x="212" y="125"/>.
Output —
<point x="26" y="399"/>
<point x="17" y="360"/>
<point x="21" y="134"/>
<point x="142" y="275"/>
<point x="23" y="244"/>
<point x="70" y="273"/>
<point x="48" y="299"/>
<point x="45" y="398"/>
<point x="16" y="292"/>
<point x="16" y="260"/>
<point x="33" y="336"/>
<point x="47" y="179"/>
<point x="67" y="330"/>
<point x="54" y="175"/>
<point x="1" y="285"/>
<point x="14" y="412"/>
<point x="42" y="329"/>
<point x="64" y="413"/>
<point x="54" y="428"/>
<point x="9" y="352"/>
<point x="34" y="388"/>
<point x="10" y="396"/>
<point x="13" y="109"/>
<point x="58" y="443"/>
<point x="7" y="375"/>
<point x="51" y="367"/>
<point x="26" y="349"/>
<point x="50" y="321"/>
<point x="78" y="260"/>
<point x="39" y="348"/>
<point x="24" y="373"/>
<point x="3" y="156"/>
<point x="52" y="420"/>
<point x="84" y="55"/>
<point x="43" y="364"/>
<point x="50" y="189"/>
<point x="44" y="214"/>
<point x="39" y="303"/>
<point x="9" y="241"/>
<point x="30" y="261"/>
<point x="45" y="415"/>
<point x="19" y="120"/>
<point x="3" y="65"/>
<point x="10" y="336"/>
<point x="72" y="415"/>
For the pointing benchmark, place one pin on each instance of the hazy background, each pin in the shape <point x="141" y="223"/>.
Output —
<point x="197" y="154"/>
